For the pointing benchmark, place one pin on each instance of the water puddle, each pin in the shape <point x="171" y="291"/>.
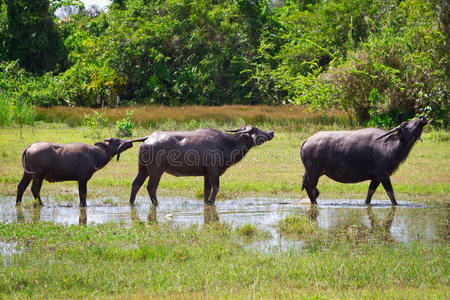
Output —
<point x="405" y="223"/>
<point x="8" y="250"/>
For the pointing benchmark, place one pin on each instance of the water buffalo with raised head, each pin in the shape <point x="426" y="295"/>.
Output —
<point x="355" y="156"/>
<point x="203" y="152"/>
<point x="67" y="162"/>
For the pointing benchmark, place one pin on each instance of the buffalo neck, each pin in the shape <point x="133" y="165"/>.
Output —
<point x="241" y="145"/>
<point x="102" y="158"/>
<point x="400" y="151"/>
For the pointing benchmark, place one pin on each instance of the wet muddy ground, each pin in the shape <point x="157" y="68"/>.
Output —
<point x="405" y="223"/>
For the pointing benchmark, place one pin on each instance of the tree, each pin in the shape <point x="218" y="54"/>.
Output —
<point x="32" y="36"/>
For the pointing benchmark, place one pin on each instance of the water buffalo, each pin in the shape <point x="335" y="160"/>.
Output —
<point x="66" y="162"/>
<point x="203" y="152"/>
<point x="355" y="156"/>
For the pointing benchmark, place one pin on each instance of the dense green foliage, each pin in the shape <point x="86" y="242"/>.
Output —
<point x="381" y="61"/>
<point x="32" y="37"/>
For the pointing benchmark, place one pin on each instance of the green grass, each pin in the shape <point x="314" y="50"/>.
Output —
<point x="298" y="226"/>
<point x="110" y="259"/>
<point x="273" y="169"/>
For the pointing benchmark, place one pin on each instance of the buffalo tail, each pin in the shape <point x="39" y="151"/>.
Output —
<point x="24" y="161"/>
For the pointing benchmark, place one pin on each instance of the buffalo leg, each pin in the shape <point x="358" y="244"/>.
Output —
<point x="310" y="183"/>
<point x="316" y="193"/>
<point x="23" y="184"/>
<point x="138" y="182"/>
<point x="206" y="189"/>
<point x="152" y="185"/>
<point x="36" y="188"/>
<point x="82" y="191"/>
<point x="372" y="188"/>
<point x="389" y="190"/>
<point x="215" y="182"/>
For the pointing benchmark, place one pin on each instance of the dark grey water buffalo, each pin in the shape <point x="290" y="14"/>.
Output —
<point x="66" y="162"/>
<point x="203" y="152"/>
<point x="354" y="156"/>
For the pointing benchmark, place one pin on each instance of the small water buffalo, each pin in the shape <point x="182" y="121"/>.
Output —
<point x="66" y="162"/>
<point x="354" y="156"/>
<point x="203" y="152"/>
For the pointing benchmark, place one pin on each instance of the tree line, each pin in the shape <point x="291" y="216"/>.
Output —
<point x="382" y="61"/>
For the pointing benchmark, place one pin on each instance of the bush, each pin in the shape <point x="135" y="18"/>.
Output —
<point x="399" y="73"/>
<point x="94" y="124"/>
<point x="125" y="127"/>
<point x="15" y="111"/>
<point x="46" y="90"/>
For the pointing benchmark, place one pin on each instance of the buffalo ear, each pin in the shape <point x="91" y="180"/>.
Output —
<point x="101" y="145"/>
<point x="392" y="137"/>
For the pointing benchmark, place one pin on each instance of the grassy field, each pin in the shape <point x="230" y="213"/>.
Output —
<point x="214" y="260"/>
<point x="210" y="261"/>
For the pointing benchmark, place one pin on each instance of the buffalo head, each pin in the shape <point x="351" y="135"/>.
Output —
<point x="116" y="146"/>
<point x="407" y="132"/>
<point x="258" y="136"/>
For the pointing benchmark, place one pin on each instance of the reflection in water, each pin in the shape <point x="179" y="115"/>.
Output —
<point x="210" y="214"/>
<point x="313" y="212"/>
<point x="82" y="219"/>
<point x="406" y="223"/>
<point x="19" y="214"/>
<point x="35" y="215"/>
<point x="151" y="218"/>
<point x="382" y="228"/>
<point x="354" y="224"/>
<point x="134" y="214"/>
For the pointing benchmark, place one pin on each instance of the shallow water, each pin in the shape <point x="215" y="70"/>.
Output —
<point x="405" y="223"/>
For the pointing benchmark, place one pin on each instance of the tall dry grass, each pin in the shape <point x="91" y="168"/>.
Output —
<point x="154" y="115"/>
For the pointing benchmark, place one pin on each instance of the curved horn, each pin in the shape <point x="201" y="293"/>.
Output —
<point x="138" y="140"/>
<point x="245" y="131"/>
<point x="121" y="146"/>
<point x="129" y="142"/>
<point x="388" y="133"/>
<point x="240" y="130"/>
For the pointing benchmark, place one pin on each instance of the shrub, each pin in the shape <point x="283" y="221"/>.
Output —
<point x="125" y="127"/>
<point x="398" y="73"/>
<point x="94" y="124"/>
<point x="15" y="111"/>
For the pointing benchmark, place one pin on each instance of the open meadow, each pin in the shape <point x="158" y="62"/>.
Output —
<point x="143" y="258"/>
